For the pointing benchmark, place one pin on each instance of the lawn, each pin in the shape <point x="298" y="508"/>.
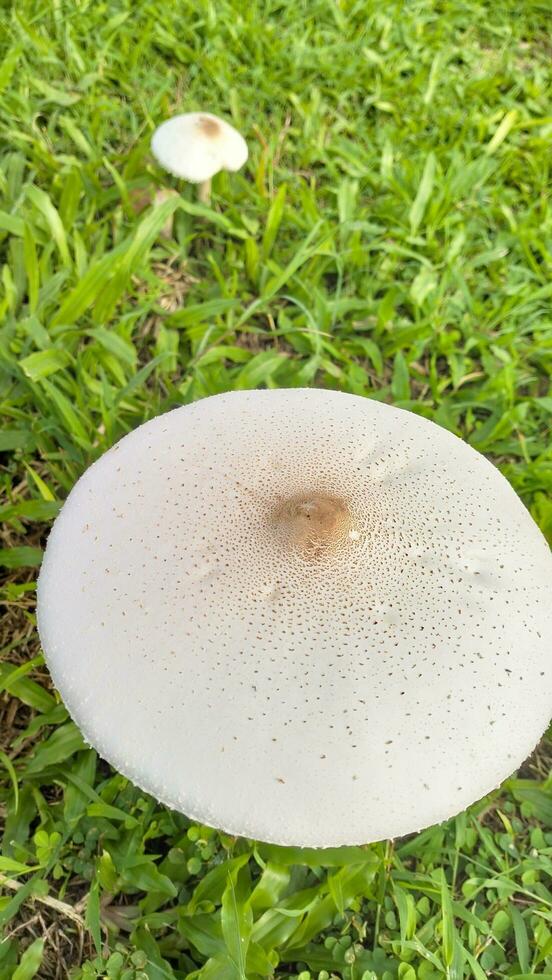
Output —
<point x="390" y="236"/>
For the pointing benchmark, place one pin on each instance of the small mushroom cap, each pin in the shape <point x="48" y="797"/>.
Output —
<point x="301" y="616"/>
<point x="196" y="145"/>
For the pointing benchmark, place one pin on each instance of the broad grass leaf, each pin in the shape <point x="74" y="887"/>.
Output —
<point x="30" y="961"/>
<point x="54" y="95"/>
<point x="106" y="301"/>
<point x="204" y="931"/>
<point x="60" y="746"/>
<point x="146" y="232"/>
<point x="10" y="866"/>
<point x="27" y="690"/>
<point x="210" y="215"/>
<point x="344" y="886"/>
<point x="9" y="64"/>
<point x="406" y="972"/>
<point x="70" y="196"/>
<point x="43" y="203"/>
<point x="525" y="791"/>
<point x="434" y="72"/>
<point x="141" y="376"/>
<point x="423" y="195"/>
<point x="449" y="932"/>
<point x="506" y="124"/>
<point x="423" y="285"/>
<point x="252" y="260"/>
<point x="318" y="917"/>
<point x="31" y="268"/>
<point x="313" y="857"/>
<point x="145" y="876"/>
<point x="45" y="362"/>
<point x="277" y="926"/>
<point x="223" y="353"/>
<point x="305" y="251"/>
<point x="195" y="313"/>
<point x="400" y="384"/>
<point x="459" y="911"/>
<point x="11" y="439"/>
<point x="92" y="916"/>
<point x="75" y="800"/>
<point x="50" y="290"/>
<point x="42" y="487"/>
<point x="23" y="556"/>
<point x="9" y="910"/>
<point x="521" y="938"/>
<point x="269" y="888"/>
<point x="260" y="370"/>
<point x="213" y="884"/>
<point x="273" y="221"/>
<point x="216" y="968"/>
<point x="347" y="195"/>
<point x="110" y="812"/>
<point x="122" y="349"/>
<point x="407" y="911"/>
<point x="12" y="224"/>
<point x="478" y="972"/>
<point x="259" y="961"/>
<point x="237" y="920"/>
<point x="372" y="352"/>
<point x="83" y="295"/>
<point x="55" y="715"/>
<point x="67" y="414"/>
<point x="107" y="873"/>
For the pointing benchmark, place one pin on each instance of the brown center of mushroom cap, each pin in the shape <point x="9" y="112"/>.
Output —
<point x="208" y="126"/>
<point x="313" y="525"/>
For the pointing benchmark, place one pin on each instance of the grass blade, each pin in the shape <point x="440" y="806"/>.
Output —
<point x="423" y="195"/>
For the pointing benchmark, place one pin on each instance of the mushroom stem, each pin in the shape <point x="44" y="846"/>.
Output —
<point x="204" y="191"/>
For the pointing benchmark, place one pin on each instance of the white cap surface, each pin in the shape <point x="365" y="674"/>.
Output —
<point x="196" y="145"/>
<point x="301" y="616"/>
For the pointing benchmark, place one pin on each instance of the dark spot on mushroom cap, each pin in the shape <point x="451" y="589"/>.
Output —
<point x="313" y="524"/>
<point x="208" y="126"/>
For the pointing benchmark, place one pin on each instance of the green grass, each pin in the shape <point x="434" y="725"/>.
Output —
<point x="391" y="236"/>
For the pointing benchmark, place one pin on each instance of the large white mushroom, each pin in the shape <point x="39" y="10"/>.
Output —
<point x="196" y="145"/>
<point x="301" y="616"/>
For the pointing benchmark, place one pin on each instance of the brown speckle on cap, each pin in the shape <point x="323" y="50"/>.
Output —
<point x="208" y="126"/>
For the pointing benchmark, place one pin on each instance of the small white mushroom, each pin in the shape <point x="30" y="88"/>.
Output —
<point x="196" y="145"/>
<point x="301" y="616"/>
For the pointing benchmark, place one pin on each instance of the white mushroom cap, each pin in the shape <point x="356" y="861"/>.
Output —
<point x="196" y="145"/>
<point x="301" y="616"/>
